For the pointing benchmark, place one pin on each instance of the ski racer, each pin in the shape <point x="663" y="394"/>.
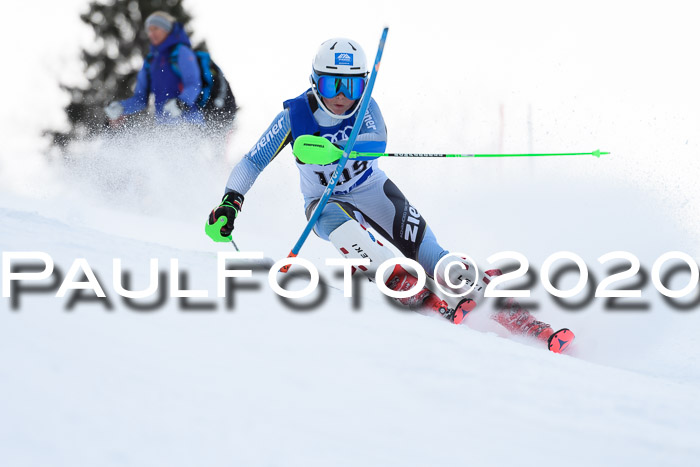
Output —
<point x="364" y="196"/>
<point x="175" y="96"/>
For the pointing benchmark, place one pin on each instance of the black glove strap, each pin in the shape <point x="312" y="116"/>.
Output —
<point x="233" y="199"/>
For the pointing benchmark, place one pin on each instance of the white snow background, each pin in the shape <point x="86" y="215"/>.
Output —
<point x="266" y="385"/>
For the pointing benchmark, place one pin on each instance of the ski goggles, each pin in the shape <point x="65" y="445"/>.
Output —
<point x="330" y="86"/>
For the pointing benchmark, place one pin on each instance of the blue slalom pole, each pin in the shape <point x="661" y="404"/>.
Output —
<point x="344" y="158"/>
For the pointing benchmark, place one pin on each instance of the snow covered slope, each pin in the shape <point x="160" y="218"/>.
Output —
<point x="259" y="382"/>
<point x="262" y="383"/>
<point x="266" y="385"/>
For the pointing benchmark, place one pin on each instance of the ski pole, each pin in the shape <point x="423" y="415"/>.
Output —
<point x="344" y="154"/>
<point x="318" y="150"/>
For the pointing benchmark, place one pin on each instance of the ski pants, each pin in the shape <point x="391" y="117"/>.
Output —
<point x="378" y="203"/>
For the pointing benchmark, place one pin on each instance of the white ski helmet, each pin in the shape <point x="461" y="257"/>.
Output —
<point x="339" y="66"/>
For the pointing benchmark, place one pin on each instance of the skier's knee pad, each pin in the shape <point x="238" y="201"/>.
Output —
<point x="354" y="241"/>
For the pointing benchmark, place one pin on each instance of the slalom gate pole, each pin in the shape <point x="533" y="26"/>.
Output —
<point x="345" y="156"/>
<point x="596" y="153"/>
<point x="317" y="150"/>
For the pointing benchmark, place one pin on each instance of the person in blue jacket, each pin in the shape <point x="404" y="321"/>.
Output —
<point x="175" y="91"/>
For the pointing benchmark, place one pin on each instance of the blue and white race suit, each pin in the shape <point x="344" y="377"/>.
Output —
<point x="364" y="192"/>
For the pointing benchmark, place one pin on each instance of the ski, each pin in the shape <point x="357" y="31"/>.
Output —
<point x="560" y="340"/>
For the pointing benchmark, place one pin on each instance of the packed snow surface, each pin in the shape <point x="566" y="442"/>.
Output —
<point x="253" y="380"/>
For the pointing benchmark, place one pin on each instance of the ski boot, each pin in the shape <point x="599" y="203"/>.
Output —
<point x="519" y="321"/>
<point x="424" y="300"/>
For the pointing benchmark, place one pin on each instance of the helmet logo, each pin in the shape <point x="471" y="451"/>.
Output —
<point x="343" y="58"/>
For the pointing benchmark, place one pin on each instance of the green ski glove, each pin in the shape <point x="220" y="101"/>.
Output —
<point x="220" y="223"/>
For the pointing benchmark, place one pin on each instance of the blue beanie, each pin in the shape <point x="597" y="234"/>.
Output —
<point x="160" y="19"/>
